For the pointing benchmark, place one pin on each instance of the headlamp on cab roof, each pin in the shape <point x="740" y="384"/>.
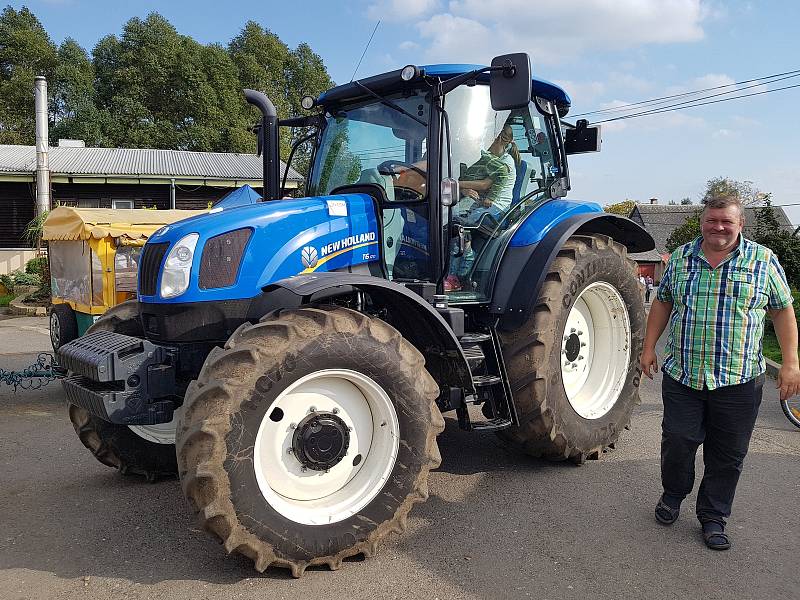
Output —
<point x="308" y="102"/>
<point x="409" y="72"/>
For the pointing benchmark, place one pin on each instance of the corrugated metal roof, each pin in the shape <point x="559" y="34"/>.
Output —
<point x="137" y="161"/>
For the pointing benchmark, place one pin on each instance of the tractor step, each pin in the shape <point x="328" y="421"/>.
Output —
<point x="470" y="339"/>
<point x="485" y="380"/>
<point x="474" y="356"/>
<point x="492" y="425"/>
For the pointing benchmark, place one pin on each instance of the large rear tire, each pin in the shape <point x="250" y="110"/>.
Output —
<point x="574" y="365"/>
<point x="253" y="466"/>
<point x="147" y="450"/>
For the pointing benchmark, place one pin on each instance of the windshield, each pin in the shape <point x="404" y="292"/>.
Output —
<point x="368" y="142"/>
<point x="372" y="142"/>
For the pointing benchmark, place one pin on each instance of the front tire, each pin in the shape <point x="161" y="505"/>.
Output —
<point x="146" y="450"/>
<point x="309" y="438"/>
<point x="574" y="365"/>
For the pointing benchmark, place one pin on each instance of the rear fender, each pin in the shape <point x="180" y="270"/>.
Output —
<point x="406" y="311"/>
<point x="523" y="268"/>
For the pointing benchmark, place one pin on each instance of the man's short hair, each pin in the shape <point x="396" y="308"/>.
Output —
<point x="724" y="202"/>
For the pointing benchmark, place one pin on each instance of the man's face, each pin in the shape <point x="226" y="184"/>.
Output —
<point x="721" y="227"/>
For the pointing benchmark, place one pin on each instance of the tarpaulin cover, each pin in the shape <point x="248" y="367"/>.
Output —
<point x="68" y="223"/>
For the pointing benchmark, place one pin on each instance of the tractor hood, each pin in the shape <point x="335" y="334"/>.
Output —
<point x="241" y="250"/>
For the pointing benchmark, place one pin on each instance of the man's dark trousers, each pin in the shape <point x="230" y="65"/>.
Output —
<point x="722" y="420"/>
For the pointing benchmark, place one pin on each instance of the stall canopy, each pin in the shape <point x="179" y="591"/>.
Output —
<point x="130" y="225"/>
<point x="238" y="197"/>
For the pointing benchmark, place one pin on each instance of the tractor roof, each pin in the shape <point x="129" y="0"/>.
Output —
<point x="387" y="82"/>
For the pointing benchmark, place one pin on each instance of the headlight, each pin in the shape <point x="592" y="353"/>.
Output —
<point x="178" y="267"/>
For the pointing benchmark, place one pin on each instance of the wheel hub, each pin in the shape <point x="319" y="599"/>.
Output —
<point x="321" y="441"/>
<point x="572" y="347"/>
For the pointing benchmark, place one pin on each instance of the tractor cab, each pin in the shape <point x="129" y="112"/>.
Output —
<point x="455" y="166"/>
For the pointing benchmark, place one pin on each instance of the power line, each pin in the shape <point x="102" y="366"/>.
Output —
<point x="671" y="109"/>
<point x="684" y="94"/>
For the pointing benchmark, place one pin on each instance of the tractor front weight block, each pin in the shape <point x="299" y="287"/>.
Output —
<point x="119" y="378"/>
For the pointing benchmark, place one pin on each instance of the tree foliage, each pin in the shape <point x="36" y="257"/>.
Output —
<point x="725" y="186"/>
<point x="25" y="52"/>
<point x="151" y="86"/>
<point x="683" y="234"/>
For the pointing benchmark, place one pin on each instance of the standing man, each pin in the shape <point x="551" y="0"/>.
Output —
<point x="714" y="295"/>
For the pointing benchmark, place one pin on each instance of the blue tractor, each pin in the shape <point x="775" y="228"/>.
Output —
<point x="291" y="360"/>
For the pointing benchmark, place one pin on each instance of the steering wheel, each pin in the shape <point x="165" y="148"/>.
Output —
<point x="390" y="167"/>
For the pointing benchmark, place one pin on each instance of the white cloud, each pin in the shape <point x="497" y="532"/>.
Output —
<point x="585" y="92"/>
<point x="476" y="30"/>
<point x="725" y="134"/>
<point x="408" y="45"/>
<point x="401" y="10"/>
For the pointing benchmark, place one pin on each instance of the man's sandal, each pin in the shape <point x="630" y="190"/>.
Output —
<point x="665" y="514"/>
<point x="716" y="538"/>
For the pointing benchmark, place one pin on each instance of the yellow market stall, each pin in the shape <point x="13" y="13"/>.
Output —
<point x="94" y="257"/>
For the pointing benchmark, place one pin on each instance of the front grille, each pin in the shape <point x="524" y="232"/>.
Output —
<point x="150" y="265"/>
<point x="222" y="257"/>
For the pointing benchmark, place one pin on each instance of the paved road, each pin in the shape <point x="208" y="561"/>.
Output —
<point x="497" y="525"/>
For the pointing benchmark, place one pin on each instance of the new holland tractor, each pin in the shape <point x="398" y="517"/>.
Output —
<point x="291" y="360"/>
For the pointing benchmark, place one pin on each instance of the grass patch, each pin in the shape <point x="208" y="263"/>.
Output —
<point x="772" y="349"/>
<point x="6" y="299"/>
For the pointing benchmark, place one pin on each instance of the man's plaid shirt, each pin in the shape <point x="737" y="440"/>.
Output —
<point x="717" y="321"/>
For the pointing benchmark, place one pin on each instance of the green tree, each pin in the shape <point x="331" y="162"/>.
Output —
<point x="267" y="64"/>
<point x="686" y="201"/>
<point x="725" y="186"/>
<point x="684" y="233"/>
<point x="72" y="103"/>
<point x="25" y="52"/>
<point x="785" y="244"/>
<point x="623" y="208"/>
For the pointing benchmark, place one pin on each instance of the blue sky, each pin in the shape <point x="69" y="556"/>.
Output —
<point x="604" y="52"/>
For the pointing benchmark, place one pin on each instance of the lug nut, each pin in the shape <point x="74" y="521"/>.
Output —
<point x="335" y="411"/>
<point x="313" y="409"/>
<point x="572" y="330"/>
<point x="289" y="451"/>
<point x="583" y="344"/>
<point x="293" y="426"/>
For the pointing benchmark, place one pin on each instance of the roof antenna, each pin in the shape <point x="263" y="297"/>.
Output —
<point x="365" y="50"/>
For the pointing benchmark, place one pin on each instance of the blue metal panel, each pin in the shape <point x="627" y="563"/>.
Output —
<point x="544" y="218"/>
<point x="289" y="237"/>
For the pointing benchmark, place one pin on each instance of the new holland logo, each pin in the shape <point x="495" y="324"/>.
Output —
<point x="309" y="257"/>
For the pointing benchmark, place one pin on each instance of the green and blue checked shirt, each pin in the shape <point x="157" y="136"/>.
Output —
<point x="717" y="321"/>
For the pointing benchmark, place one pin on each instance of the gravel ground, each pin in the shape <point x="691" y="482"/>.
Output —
<point x="497" y="524"/>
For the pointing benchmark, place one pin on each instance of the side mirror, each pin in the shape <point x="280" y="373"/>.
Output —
<point x="582" y="138"/>
<point x="510" y="86"/>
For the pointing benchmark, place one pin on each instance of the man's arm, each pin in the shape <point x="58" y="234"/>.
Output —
<point x="656" y="322"/>
<point x="786" y="332"/>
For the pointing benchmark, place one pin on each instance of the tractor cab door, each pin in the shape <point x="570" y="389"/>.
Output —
<point x="506" y="163"/>
<point x="371" y="142"/>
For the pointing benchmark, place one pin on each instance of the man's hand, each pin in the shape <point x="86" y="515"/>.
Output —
<point x="649" y="361"/>
<point x="487" y="203"/>
<point x="471" y="193"/>
<point x="788" y="381"/>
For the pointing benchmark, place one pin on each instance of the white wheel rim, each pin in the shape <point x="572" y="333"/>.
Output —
<point x="595" y="350"/>
<point x="321" y="497"/>
<point x="163" y="433"/>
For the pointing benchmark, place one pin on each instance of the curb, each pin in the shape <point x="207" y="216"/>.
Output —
<point x="18" y="308"/>
<point x="772" y="368"/>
